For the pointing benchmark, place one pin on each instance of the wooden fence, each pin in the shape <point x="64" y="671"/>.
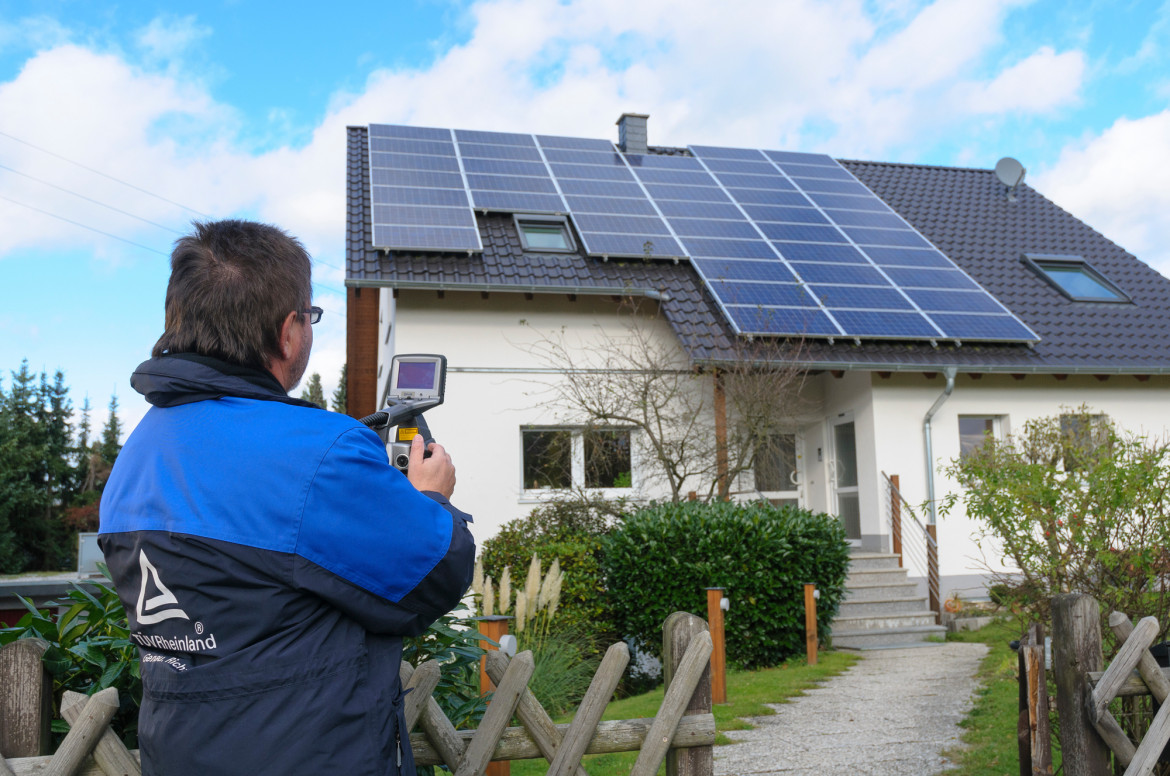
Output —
<point x="682" y="732"/>
<point x="1089" y="732"/>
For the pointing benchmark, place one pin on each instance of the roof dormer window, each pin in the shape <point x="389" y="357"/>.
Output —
<point x="1075" y="278"/>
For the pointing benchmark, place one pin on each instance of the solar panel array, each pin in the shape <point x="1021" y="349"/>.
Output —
<point x="787" y="243"/>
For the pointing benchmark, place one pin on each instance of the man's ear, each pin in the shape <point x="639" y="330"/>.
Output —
<point x="286" y="347"/>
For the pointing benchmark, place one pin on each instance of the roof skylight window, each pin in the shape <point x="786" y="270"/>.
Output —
<point x="1075" y="278"/>
<point x="545" y="234"/>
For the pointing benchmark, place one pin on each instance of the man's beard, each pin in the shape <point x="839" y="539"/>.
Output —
<point x="297" y="370"/>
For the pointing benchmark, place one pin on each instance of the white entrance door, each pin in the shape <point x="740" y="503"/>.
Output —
<point x="846" y="501"/>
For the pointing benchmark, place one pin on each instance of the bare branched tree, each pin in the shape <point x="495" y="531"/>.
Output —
<point x="638" y="379"/>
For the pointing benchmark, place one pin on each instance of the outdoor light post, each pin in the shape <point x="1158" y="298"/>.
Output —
<point x="494" y="627"/>
<point x="716" y="603"/>
<point x="811" y="594"/>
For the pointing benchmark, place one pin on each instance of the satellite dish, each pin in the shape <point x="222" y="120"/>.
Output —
<point x="1010" y="173"/>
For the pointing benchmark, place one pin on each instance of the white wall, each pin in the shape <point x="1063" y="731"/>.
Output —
<point x="495" y="384"/>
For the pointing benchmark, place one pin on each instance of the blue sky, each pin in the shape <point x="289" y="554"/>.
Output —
<point x="119" y="123"/>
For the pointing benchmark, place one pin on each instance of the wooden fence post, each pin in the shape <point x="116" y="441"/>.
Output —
<point x="896" y="517"/>
<point x="1076" y="650"/>
<point x="1035" y="744"/>
<point x="26" y="700"/>
<point x="718" y="651"/>
<point x="811" y="641"/>
<point x="677" y="632"/>
<point x="494" y="627"/>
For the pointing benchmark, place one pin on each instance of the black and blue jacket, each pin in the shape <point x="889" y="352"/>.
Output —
<point x="270" y="561"/>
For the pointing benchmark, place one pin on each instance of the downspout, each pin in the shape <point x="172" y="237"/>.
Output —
<point x="950" y="373"/>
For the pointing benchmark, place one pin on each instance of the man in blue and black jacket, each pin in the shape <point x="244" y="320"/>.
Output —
<point x="269" y="558"/>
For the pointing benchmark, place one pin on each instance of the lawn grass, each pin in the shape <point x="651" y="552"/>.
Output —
<point x="748" y="692"/>
<point x="989" y="738"/>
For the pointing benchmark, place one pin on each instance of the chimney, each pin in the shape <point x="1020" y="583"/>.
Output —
<point x="632" y="133"/>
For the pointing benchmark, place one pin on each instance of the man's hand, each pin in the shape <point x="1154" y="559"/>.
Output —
<point x="436" y="473"/>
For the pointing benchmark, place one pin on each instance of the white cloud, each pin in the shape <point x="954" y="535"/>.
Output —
<point x="1119" y="183"/>
<point x="1040" y="83"/>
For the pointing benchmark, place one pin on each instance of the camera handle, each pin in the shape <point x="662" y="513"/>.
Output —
<point x="407" y="415"/>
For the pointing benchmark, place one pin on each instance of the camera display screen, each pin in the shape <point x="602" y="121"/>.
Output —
<point x="416" y="375"/>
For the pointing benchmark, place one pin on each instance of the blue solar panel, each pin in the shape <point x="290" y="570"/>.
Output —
<point x="705" y="227"/>
<point x="766" y="197"/>
<point x="982" y="327"/>
<point x="690" y="209"/>
<point x="581" y="143"/>
<point x="631" y="245"/>
<point x="908" y="257"/>
<point x="791" y="321"/>
<point x="399" y="195"/>
<point x="865" y="218"/>
<point x="404" y="215"/>
<point x="660" y="191"/>
<point x="420" y="133"/>
<point x="510" y="183"/>
<point x="861" y="297"/>
<point x="496" y="138"/>
<point x="841" y="254"/>
<point x="811" y="171"/>
<point x="849" y="274"/>
<point x="774" y="181"/>
<point x="803" y="232"/>
<point x="407" y="146"/>
<point x="635" y="225"/>
<point x="757" y="166"/>
<point x="515" y="152"/>
<point x="930" y="278"/>
<point x="822" y="185"/>
<point x="798" y="215"/>
<point x="426" y="238"/>
<point x="718" y="152"/>
<point x="732" y="249"/>
<point x="592" y="171"/>
<point x="732" y="269"/>
<point x="568" y="156"/>
<point x="900" y="238"/>
<point x="781" y="294"/>
<point x="505" y="167"/>
<point x="416" y="179"/>
<point x="932" y="300"/>
<point x="613" y="205"/>
<point x="886" y="324"/>
<point x="380" y="159"/>
<point x="784" y="157"/>
<point x="517" y="202"/>
<point x="601" y="188"/>
<point x="687" y="177"/>
<point x="647" y="161"/>
<point x="848" y="202"/>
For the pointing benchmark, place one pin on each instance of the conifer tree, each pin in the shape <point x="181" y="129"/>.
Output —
<point x="339" y="393"/>
<point x="112" y="434"/>
<point x="314" y="392"/>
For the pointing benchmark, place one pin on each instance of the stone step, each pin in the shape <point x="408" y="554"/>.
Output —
<point x="886" y="638"/>
<point x="892" y="621"/>
<point x="880" y="591"/>
<point x="872" y="561"/>
<point x="877" y="608"/>
<point x="876" y="576"/>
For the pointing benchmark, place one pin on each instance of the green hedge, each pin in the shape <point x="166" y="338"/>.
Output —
<point x="572" y="531"/>
<point x="661" y="559"/>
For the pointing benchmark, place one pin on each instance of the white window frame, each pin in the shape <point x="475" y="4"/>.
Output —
<point x="998" y="427"/>
<point x="521" y="220"/>
<point x="577" y="465"/>
<point x="796" y="492"/>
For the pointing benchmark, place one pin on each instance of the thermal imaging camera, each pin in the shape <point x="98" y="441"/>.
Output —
<point x="417" y="383"/>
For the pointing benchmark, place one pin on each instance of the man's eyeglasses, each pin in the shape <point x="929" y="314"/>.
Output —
<point x="314" y="313"/>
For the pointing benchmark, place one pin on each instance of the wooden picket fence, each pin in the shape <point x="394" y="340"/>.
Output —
<point x="681" y="734"/>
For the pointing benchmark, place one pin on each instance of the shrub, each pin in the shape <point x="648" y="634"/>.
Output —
<point x="454" y="642"/>
<point x="571" y="532"/>
<point x="1077" y="506"/>
<point x="661" y="559"/>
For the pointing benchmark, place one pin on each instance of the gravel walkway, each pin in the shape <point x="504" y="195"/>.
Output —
<point x="892" y="714"/>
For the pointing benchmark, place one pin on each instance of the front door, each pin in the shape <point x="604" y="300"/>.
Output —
<point x="846" y="501"/>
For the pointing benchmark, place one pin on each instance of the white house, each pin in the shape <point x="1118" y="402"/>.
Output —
<point x="933" y="304"/>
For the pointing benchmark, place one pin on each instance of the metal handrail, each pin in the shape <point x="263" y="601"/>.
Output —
<point x="919" y="547"/>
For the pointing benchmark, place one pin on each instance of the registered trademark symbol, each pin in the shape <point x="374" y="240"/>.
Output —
<point x="198" y="627"/>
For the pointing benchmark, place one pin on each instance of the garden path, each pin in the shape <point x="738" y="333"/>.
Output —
<point x="891" y="714"/>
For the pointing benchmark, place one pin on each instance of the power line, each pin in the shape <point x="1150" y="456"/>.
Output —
<point x="84" y="226"/>
<point x="105" y="175"/>
<point x="89" y="199"/>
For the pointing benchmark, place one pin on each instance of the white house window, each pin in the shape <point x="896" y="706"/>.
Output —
<point x="1075" y="278"/>
<point x="1087" y="432"/>
<point x="574" y="457"/>
<point x="545" y="233"/>
<point x="974" y="431"/>
<point x="776" y="470"/>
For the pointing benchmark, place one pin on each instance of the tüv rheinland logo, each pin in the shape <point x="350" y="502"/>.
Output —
<point x="164" y="605"/>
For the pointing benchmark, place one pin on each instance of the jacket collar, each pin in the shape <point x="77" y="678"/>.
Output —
<point x="183" y="378"/>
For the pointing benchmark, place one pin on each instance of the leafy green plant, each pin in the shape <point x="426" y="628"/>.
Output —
<point x="454" y="641"/>
<point x="1075" y="505"/>
<point x="89" y="650"/>
<point x="662" y="558"/>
